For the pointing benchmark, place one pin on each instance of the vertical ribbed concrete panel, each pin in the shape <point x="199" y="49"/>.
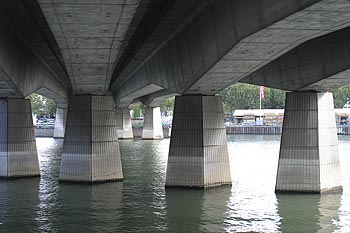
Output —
<point x="152" y="125"/>
<point x="124" y="126"/>
<point x="309" y="157"/>
<point x="91" y="147"/>
<point x="18" y="153"/>
<point x="198" y="154"/>
<point x="60" y="122"/>
<point x="330" y="176"/>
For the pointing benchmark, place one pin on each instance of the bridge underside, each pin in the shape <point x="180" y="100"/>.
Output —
<point x="94" y="56"/>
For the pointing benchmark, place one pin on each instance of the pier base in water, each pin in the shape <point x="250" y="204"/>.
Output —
<point x="309" y="156"/>
<point x="18" y="153"/>
<point x="91" y="148"/>
<point x="198" y="154"/>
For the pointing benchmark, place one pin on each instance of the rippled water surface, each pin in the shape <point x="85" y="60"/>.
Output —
<point x="141" y="204"/>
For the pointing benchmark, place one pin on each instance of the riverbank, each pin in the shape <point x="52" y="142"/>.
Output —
<point x="272" y="129"/>
<point x="238" y="129"/>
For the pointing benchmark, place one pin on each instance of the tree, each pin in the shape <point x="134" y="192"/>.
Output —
<point x="246" y="96"/>
<point x="36" y="103"/>
<point x="240" y="96"/>
<point x="341" y="96"/>
<point x="274" y="99"/>
<point x="138" y="109"/>
<point x="168" y="104"/>
<point x="41" y="105"/>
<point x="50" y="107"/>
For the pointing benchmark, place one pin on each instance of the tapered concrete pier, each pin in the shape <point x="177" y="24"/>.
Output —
<point x="18" y="153"/>
<point x="124" y="126"/>
<point x="60" y="122"/>
<point x="198" y="154"/>
<point x="309" y="157"/>
<point x="152" y="126"/>
<point x="91" y="147"/>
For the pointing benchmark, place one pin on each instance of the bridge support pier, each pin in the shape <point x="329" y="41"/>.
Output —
<point x="91" y="148"/>
<point x="60" y="122"/>
<point x="124" y="126"/>
<point x="309" y="157"/>
<point x="198" y="154"/>
<point x="152" y="125"/>
<point x="18" y="153"/>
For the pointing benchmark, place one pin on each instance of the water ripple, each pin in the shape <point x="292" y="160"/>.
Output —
<point x="141" y="204"/>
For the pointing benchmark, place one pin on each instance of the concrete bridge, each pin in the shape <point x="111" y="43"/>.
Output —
<point x="95" y="58"/>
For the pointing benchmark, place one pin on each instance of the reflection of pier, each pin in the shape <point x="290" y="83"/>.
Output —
<point x="308" y="213"/>
<point x="196" y="210"/>
<point x="17" y="214"/>
<point x="104" y="199"/>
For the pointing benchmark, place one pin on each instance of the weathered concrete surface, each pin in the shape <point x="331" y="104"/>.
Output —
<point x="157" y="98"/>
<point x="125" y="101"/>
<point x="18" y="153"/>
<point x="22" y="72"/>
<point x="91" y="147"/>
<point x="152" y="125"/>
<point x="160" y="19"/>
<point x="260" y="48"/>
<point x="227" y="40"/>
<point x="60" y="122"/>
<point x="124" y="126"/>
<point x="133" y="48"/>
<point x="319" y="64"/>
<point x="309" y="157"/>
<point x="89" y="35"/>
<point x="179" y="47"/>
<point x="198" y="154"/>
<point x="35" y="34"/>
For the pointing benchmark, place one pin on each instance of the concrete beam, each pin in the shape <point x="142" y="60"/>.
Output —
<point x="319" y="64"/>
<point x="222" y="43"/>
<point x="89" y="37"/>
<point x="125" y="101"/>
<point x="157" y="98"/>
<point x="22" y="72"/>
<point x="158" y="21"/>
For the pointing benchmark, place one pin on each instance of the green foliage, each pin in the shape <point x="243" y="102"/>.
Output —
<point x="341" y="95"/>
<point x="50" y="107"/>
<point x="246" y="96"/>
<point x="274" y="99"/>
<point x="41" y="105"/>
<point x="138" y="108"/>
<point x="36" y="103"/>
<point x="168" y="104"/>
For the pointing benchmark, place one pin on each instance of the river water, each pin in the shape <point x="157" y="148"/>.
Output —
<point x="141" y="204"/>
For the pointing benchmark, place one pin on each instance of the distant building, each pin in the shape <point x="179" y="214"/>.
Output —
<point x="273" y="117"/>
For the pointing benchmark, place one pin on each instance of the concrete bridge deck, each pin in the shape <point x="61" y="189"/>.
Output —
<point x="95" y="58"/>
